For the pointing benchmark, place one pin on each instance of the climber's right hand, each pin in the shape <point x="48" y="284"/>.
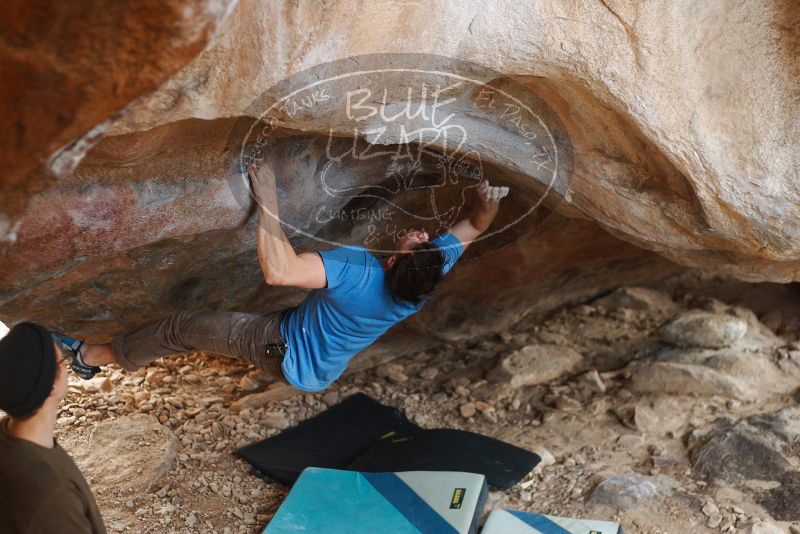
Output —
<point x="263" y="183"/>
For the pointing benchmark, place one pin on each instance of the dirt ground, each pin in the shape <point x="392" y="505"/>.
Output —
<point x="587" y="427"/>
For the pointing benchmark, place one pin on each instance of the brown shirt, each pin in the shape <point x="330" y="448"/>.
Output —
<point x="42" y="491"/>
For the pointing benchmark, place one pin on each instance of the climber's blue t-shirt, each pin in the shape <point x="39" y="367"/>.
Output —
<point x="335" y="323"/>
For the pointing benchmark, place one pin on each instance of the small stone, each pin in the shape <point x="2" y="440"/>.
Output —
<point x="119" y="527"/>
<point x="467" y="410"/>
<point x="461" y="391"/>
<point x="567" y="404"/>
<point x="429" y="373"/>
<point x="191" y="520"/>
<point x="630" y="442"/>
<point x="106" y="385"/>
<point x="547" y="457"/>
<point x="733" y="404"/>
<point x="535" y="364"/>
<point x="490" y="415"/>
<point x="331" y="397"/>
<point x="631" y="490"/>
<point x="275" y="420"/>
<point x="592" y="381"/>
<point x="714" y="521"/>
<point x="710" y="509"/>
<point x="397" y="378"/>
<point x="383" y="371"/>
<point x="483" y="406"/>
<point x="248" y="383"/>
<point x="96" y="384"/>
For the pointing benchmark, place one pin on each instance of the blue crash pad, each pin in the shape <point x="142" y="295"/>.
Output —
<point x="332" y="501"/>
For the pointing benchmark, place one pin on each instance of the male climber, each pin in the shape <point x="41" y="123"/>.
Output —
<point x="356" y="297"/>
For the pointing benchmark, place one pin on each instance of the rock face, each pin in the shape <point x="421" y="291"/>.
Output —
<point x="69" y="70"/>
<point x="647" y="99"/>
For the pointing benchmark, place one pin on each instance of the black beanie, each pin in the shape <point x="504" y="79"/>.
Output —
<point x="27" y="369"/>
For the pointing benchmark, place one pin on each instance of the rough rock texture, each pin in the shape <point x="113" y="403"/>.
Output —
<point x="637" y="298"/>
<point x="654" y="98"/>
<point x="731" y="373"/>
<point x="749" y="362"/>
<point x="703" y="329"/>
<point x="70" y="68"/>
<point x="760" y="455"/>
<point x="536" y="364"/>
<point x="631" y="490"/>
<point x="113" y="443"/>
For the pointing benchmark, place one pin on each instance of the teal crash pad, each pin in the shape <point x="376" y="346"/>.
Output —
<point x="332" y="501"/>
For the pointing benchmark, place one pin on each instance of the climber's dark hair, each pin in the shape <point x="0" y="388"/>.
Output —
<point x="416" y="274"/>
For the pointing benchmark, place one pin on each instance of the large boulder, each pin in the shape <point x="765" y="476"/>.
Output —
<point x="758" y="455"/>
<point x="69" y="70"/>
<point x="697" y="328"/>
<point x="718" y="354"/>
<point x="646" y="104"/>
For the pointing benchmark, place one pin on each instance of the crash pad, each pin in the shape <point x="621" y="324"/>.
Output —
<point x="448" y="449"/>
<point x="516" y="522"/>
<point x="331" y="501"/>
<point x="331" y="439"/>
<point x="363" y="435"/>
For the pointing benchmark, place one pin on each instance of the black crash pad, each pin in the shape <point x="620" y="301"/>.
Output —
<point x="331" y="439"/>
<point x="447" y="449"/>
<point x="361" y="434"/>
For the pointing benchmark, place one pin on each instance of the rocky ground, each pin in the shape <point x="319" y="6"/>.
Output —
<point x="671" y="411"/>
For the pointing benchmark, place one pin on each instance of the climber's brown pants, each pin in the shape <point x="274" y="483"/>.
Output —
<point x="255" y="338"/>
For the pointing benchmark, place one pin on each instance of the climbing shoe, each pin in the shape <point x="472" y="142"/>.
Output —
<point x="72" y="350"/>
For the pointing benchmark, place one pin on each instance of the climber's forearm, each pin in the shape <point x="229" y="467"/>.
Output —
<point x="487" y="204"/>
<point x="275" y="253"/>
<point x="482" y="215"/>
